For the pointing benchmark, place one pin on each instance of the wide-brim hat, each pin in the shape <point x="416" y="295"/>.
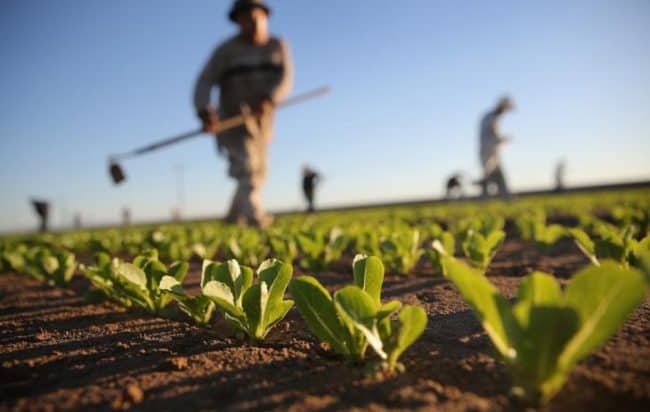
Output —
<point x="240" y="5"/>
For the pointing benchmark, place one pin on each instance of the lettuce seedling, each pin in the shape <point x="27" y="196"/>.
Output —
<point x="200" y="308"/>
<point x="445" y="242"/>
<point x="206" y="249"/>
<point x="13" y="258"/>
<point x="284" y="247"/>
<point x="54" y="267"/>
<point x="320" y="250"/>
<point x="545" y="333"/>
<point x="533" y="226"/>
<point x="402" y="250"/>
<point x="137" y="282"/>
<point x="246" y="246"/>
<point x="354" y="318"/>
<point x="607" y="243"/>
<point x="103" y="276"/>
<point x="483" y="224"/>
<point x="252" y="308"/>
<point x="480" y="249"/>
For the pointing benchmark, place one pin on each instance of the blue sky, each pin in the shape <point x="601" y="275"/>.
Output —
<point x="83" y="79"/>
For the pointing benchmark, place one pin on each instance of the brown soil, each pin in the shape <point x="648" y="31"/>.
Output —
<point x="59" y="353"/>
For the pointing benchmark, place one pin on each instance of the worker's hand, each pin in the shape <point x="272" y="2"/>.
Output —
<point x="210" y="120"/>
<point x="263" y="106"/>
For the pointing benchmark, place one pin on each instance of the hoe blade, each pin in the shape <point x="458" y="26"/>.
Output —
<point x="116" y="172"/>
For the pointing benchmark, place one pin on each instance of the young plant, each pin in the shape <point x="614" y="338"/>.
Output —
<point x="247" y="246"/>
<point x="545" y="333"/>
<point x="252" y="308"/>
<point x="607" y="243"/>
<point x="137" y="282"/>
<point x="532" y="226"/>
<point x="320" y="250"/>
<point x="200" y="308"/>
<point x="103" y="276"/>
<point x="402" y="250"/>
<point x="13" y="258"/>
<point x="354" y="318"/>
<point x="54" y="267"/>
<point x="284" y="247"/>
<point x="480" y="249"/>
<point x="444" y="243"/>
<point x="206" y="249"/>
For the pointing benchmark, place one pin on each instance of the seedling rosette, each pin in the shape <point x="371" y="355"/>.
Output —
<point x="138" y="282"/>
<point x="546" y="332"/>
<point x="354" y="318"/>
<point x="253" y="308"/>
<point x="480" y="249"/>
<point x="54" y="267"/>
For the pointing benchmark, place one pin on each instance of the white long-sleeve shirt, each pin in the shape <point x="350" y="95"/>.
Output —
<point x="490" y="142"/>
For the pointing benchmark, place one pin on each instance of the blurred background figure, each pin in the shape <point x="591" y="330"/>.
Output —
<point x="126" y="216"/>
<point x="491" y="142"/>
<point x="454" y="186"/>
<point x="176" y="214"/>
<point x="77" y="221"/>
<point x="310" y="180"/>
<point x="42" y="209"/>
<point x="253" y="70"/>
<point x="560" y="170"/>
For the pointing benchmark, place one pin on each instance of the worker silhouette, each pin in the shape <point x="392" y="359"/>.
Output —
<point x="42" y="209"/>
<point x="454" y="186"/>
<point x="253" y="71"/>
<point x="560" y="171"/>
<point x="310" y="180"/>
<point x="491" y="143"/>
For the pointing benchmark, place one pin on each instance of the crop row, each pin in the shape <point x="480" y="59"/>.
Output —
<point x="540" y="337"/>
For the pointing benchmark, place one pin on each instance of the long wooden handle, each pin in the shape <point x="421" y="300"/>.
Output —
<point x="225" y="124"/>
<point x="238" y="120"/>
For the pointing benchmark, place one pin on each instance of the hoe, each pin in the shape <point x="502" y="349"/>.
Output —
<point x="118" y="175"/>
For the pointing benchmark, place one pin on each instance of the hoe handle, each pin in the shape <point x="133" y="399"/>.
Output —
<point x="225" y="124"/>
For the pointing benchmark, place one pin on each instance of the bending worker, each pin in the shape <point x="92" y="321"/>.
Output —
<point x="253" y="71"/>
<point x="491" y="142"/>
<point x="310" y="180"/>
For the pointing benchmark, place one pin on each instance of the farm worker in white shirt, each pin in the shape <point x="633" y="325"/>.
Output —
<point x="491" y="142"/>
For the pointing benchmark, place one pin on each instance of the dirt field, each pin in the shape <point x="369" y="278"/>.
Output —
<point x="59" y="353"/>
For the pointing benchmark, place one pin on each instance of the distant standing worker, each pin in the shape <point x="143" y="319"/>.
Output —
<point x="253" y="71"/>
<point x="42" y="209"/>
<point x="309" y="182"/>
<point x="560" y="170"/>
<point x="491" y="142"/>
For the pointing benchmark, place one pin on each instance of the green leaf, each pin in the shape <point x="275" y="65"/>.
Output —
<point x="546" y="327"/>
<point x="199" y="308"/>
<point x="603" y="298"/>
<point x="222" y="296"/>
<point x="277" y="275"/>
<point x="584" y="243"/>
<point x="369" y="275"/>
<point x="412" y="321"/>
<point x="254" y="303"/>
<point x="358" y="310"/>
<point x="317" y="308"/>
<point x="132" y="274"/>
<point x="178" y="270"/>
<point x="492" y="309"/>
<point x="50" y="264"/>
<point x="388" y="309"/>
<point x="536" y="289"/>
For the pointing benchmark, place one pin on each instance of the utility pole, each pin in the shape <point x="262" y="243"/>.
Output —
<point x="180" y="191"/>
